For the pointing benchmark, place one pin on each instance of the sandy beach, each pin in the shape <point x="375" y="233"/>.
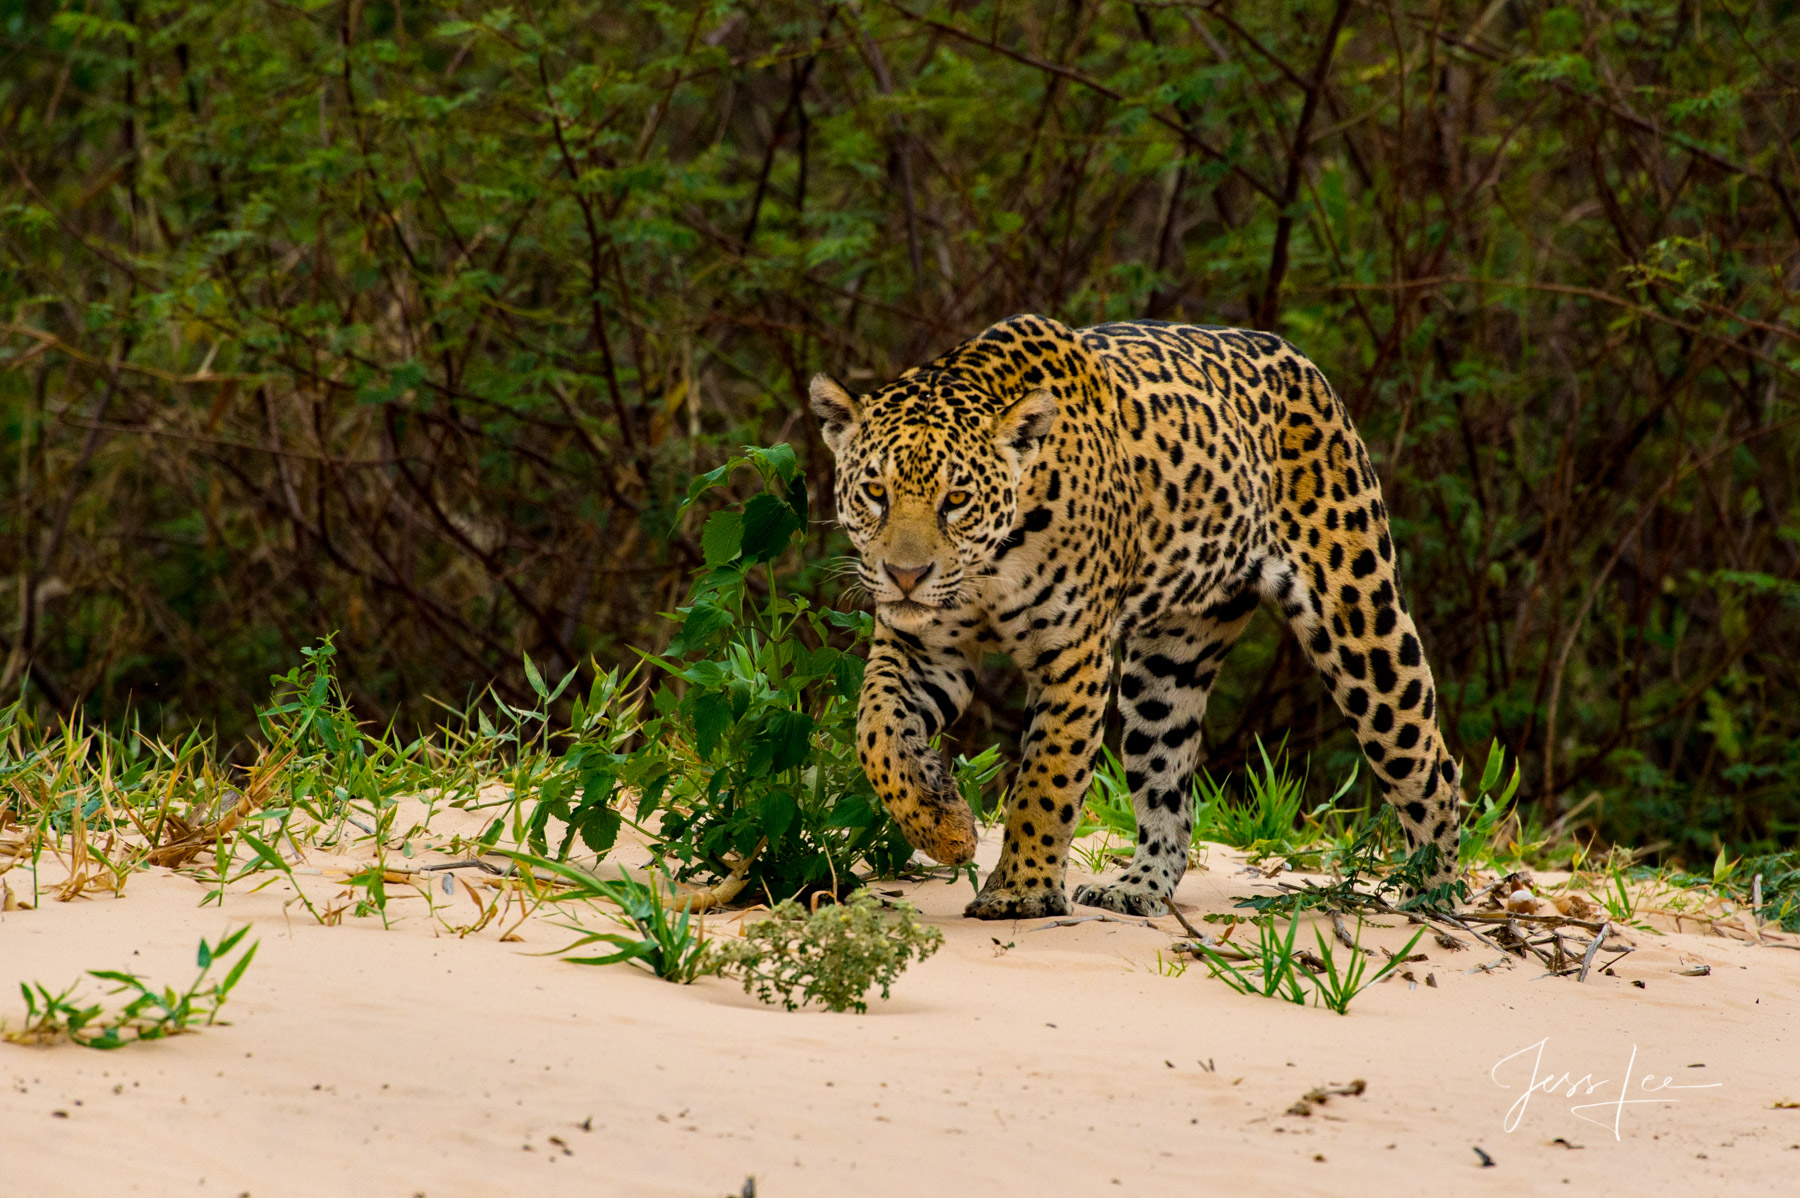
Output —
<point x="1022" y="1059"/>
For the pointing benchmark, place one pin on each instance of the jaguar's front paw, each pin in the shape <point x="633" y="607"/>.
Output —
<point x="932" y="815"/>
<point x="1034" y="903"/>
<point x="1127" y="898"/>
<point x="940" y="825"/>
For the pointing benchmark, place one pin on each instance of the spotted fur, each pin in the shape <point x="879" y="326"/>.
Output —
<point x="1129" y="491"/>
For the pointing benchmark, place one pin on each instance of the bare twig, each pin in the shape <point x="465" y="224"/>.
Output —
<point x="1587" y="959"/>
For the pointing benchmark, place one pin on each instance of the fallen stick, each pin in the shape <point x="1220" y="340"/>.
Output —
<point x="1075" y="919"/>
<point x="1546" y="921"/>
<point x="1386" y="908"/>
<point x="1593" y="950"/>
<point x="1230" y="952"/>
<point x="1486" y="890"/>
<point x="1623" y="953"/>
<point x="1343" y="935"/>
<point x="1455" y="922"/>
<point x="467" y="863"/>
<point x="413" y="876"/>
<point x="1181" y="919"/>
<point x="724" y="890"/>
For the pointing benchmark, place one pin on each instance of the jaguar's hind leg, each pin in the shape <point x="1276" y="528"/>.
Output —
<point x="1363" y="641"/>
<point x="1167" y="672"/>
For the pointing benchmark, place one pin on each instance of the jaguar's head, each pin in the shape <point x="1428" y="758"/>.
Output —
<point x="929" y="470"/>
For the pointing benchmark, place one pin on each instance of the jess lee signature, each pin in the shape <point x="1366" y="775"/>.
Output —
<point x="1586" y="1086"/>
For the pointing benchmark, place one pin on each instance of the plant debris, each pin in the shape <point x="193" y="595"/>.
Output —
<point x="1320" y="1095"/>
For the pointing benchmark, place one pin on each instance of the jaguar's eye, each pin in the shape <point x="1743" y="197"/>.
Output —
<point x="876" y="492"/>
<point x="956" y="499"/>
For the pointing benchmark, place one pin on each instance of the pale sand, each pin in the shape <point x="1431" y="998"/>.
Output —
<point x="406" y="1062"/>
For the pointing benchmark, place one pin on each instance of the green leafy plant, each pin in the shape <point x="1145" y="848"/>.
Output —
<point x="1108" y="803"/>
<point x="335" y="778"/>
<point x="1274" y="971"/>
<point x="975" y="777"/>
<point x="1488" y="814"/>
<point x="1268" y="817"/>
<point x="581" y="785"/>
<point x="1278" y="971"/>
<point x="1780" y="874"/>
<point x="150" y="1013"/>
<point x="662" y="937"/>
<point x="1107" y="812"/>
<point x="1368" y="879"/>
<point x="1367" y="875"/>
<point x="833" y="957"/>
<point x="1617" y="896"/>
<point x="751" y="746"/>
<point x="1334" y="988"/>
<point x="1095" y="856"/>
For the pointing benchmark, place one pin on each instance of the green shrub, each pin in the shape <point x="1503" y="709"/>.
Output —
<point x="833" y="957"/>
<point x="1269" y="815"/>
<point x="1485" y="823"/>
<point x="743" y="755"/>
<point x="751" y="747"/>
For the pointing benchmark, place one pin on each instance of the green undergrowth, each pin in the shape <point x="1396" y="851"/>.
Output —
<point x="750" y="749"/>
<point x="833" y="956"/>
<point x="730" y="756"/>
<point x="1277" y="970"/>
<point x="657" y="934"/>
<point x="149" y="1013"/>
<point x="731" y="751"/>
<point x="1263" y="813"/>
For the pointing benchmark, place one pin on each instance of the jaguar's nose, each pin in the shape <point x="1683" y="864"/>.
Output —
<point x="908" y="577"/>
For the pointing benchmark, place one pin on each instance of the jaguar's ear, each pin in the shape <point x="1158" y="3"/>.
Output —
<point x="1023" y="426"/>
<point x="836" y="410"/>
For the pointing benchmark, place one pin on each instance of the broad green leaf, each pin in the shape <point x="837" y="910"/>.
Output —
<point x="776" y="462"/>
<point x="600" y="829"/>
<point x="712" y="718"/>
<point x="778" y="810"/>
<point x="1491" y="774"/>
<point x="847" y="672"/>
<point x="716" y="477"/>
<point x="704" y="673"/>
<point x="782" y="740"/>
<point x="237" y="970"/>
<point x="768" y="525"/>
<point x="723" y="537"/>
<point x="699" y="624"/>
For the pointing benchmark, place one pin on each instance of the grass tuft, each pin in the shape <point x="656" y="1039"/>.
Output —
<point x="150" y="1013"/>
<point x="1277" y="970"/>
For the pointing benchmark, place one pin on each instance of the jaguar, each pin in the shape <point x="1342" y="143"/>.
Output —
<point x="1116" y="502"/>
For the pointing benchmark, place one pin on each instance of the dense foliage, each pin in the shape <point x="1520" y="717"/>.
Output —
<point x="414" y="321"/>
<point x="752" y="746"/>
